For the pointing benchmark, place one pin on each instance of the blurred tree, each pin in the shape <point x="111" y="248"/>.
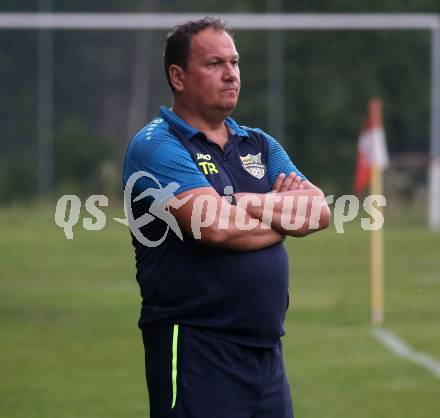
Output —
<point x="108" y="82"/>
<point x="79" y="158"/>
<point x="17" y="115"/>
<point x="141" y="78"/>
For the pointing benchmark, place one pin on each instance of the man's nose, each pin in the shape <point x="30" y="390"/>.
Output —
<point x="230" y="72"/>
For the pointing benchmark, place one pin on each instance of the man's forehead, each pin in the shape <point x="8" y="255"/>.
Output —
<point x="211" y="42"/>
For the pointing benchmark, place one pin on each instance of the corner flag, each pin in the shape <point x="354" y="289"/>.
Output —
<point x="372" y="150"/>
<point x="372" y="159"/>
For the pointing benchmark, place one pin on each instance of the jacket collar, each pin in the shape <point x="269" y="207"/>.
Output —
<point x="187" y="131"/>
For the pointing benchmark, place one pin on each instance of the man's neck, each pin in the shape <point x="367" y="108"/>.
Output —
<point x="214" y="128"/>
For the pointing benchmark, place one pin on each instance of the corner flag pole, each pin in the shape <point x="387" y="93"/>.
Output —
<point x="376" y="255"/>
<point x="378" y="158"/>
<point x="371" y="160"/>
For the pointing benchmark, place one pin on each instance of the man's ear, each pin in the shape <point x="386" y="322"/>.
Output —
<point x="177" y="77"/>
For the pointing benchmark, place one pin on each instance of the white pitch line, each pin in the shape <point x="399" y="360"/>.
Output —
<point x="402" y="349"/>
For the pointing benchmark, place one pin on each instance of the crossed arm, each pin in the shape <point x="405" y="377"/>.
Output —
<point x="294" y="207"/>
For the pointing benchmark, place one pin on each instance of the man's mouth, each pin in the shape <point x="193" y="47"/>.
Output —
<point x="230" y="90"/>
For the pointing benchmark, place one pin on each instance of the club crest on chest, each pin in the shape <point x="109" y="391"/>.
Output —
<point x="253" y="165"/>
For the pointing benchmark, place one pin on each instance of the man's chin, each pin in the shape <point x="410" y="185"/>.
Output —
<point x="228" y="106"/>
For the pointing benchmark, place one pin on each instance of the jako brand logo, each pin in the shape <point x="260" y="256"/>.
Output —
<point x="201" y="156"/>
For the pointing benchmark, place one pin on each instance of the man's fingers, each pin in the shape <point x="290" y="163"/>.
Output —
<point x="278" y="182"/>
<point x="296" y="183"/>
<point x="287" y="183"/>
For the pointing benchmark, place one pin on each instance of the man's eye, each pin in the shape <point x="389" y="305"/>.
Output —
<point x="213" y="64"/>
<point x="234" y="63"/>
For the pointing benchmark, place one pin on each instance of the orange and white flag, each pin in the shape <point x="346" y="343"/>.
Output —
<point x="372" y="149"/>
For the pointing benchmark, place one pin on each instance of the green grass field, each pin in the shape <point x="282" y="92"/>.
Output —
<point x="70" y="346"/>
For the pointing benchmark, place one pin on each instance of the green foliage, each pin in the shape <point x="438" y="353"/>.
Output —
<point x="333" y="77"/>
<point x="79" y="156"/>
<point x="328" y="79"/>
<point x="18" y="177"/>
<point x="17" y="116"/>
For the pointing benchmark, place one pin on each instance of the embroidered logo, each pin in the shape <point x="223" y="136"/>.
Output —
<point x="253" y="165"/>
<point x="201" y="156"/>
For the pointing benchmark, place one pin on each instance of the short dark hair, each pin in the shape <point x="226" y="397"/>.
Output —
<point x="178" y="41"/>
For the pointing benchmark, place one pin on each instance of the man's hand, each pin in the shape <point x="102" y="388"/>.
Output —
<point x="288" y="183"/>
<point x="293" y="182"/>
<point x="284" y="188"/>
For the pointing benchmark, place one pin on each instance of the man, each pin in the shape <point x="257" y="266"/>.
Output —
<point x="214" y="301"/>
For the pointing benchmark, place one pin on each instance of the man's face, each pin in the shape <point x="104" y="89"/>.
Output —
<point x="212" y="78"/>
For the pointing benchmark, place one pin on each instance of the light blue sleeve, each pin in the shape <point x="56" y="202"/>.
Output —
<point x="278" y="161"/>
<point x="165" y="159"/>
